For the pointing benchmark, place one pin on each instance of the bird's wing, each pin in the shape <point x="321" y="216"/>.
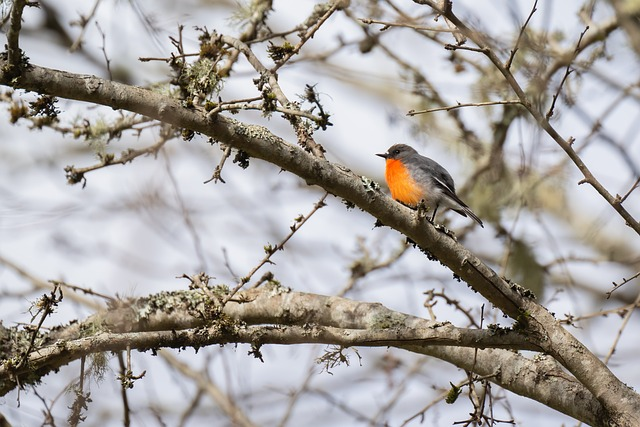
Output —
<point x="449" y="190"/>
<point x="442" y="180"/>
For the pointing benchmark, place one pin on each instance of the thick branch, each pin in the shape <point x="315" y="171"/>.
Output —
<point x="342" y="321"/>
<point x="275" y="315"/>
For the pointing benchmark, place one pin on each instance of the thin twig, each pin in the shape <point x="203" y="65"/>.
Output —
<point x="571" y="319"/>
<point x="186" y="215"/>
<point x="83" y="23"/>
<point x="270" y="78"/>
<point x="472" y="140"/>
<point x="258" y="107"/>
<point x="46" y="306"/>
<point x="42" y="284"/>
<point x="633" y="187"/>
<point x="366" y="264"/>
<point x="432" y="294"/>
<point x="236" y="415"/>
<point x="401" y="24"/>
<point x="237" y="104"/>
<point x="76" y="408"/>
<point x="568" y="71"/>
<point x="295" y="395"/>
<point x="167" y="60"/>
<point x="82" y="289"/>
<point x="335" y="5"/>
<point x="14" y="53"/>
<point x="75" y="175"/>
<point x="459" y="105"/>
<point x="597" y="34"/>
<point x="257" y="65"/>
<point x="442" y="396"/>
<point x="259" y="11"/>
<point x="270" y="250"/>
<point x="401" y="389"/>
<point x="617" y="286"/>
<point x="104" y="50"/>
<point x="507" y="65"/>
<point x="216" y="176"/>
<point x="471" y="49"/>
<point x="126" y="409"/>
<point x="625" y="321"/>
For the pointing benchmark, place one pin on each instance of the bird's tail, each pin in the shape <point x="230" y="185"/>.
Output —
<point x="466" y="211"/>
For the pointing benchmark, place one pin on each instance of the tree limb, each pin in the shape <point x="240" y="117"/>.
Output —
<point x="259" y="142"/>
<point x="276" y="315"/>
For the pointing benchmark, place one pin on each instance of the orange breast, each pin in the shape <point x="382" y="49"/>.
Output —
<point x="403" y="188"/>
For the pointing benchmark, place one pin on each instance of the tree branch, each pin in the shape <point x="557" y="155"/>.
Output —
<point x="593" y="374"/>
<point x="14" y="53"/>
<point x="259" y="142"/>
<point x="566" y="144"/>
<point x="470" y="104"/>
<point x="276" y="315"/>
<point x="228" y="405"/>
<point x="566" y="74"/>
<point x="267" y="76"/>
<point x="534" y="8"/>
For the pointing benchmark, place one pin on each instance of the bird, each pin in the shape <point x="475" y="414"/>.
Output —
<point x="414" y="179"/>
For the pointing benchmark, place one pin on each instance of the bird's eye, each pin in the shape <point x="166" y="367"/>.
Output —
<point x="396" y="152"/>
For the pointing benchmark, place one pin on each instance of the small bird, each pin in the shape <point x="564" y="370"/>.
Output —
<point x="413" y="178"/>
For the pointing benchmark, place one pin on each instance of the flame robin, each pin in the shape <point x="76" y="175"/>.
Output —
<point x="413" y="178"/>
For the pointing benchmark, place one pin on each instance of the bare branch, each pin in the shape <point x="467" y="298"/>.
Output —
<point x="75" y="175"/>
<point x="217" y="172"/>
<point x="260" y="10"/>
<point x="104" y="51"/>
<point x="269" y="77"/>
<point x="14" y="54"/>
<point x="507" y="65"/>
<point x="543" y="122"/>
<point x="609" y="399"/>
<point x="126" y="409"/>
<point x="471" y="104"/>
<point x="617" y="286"/>
<point x="83" y="23"/>
<point x="49" y="285"/>
<point x="631" y="190"/>
<point x="387" y="25"/>
<point x="625" y="322"/>
<point x="566" y="74"/>
<point x="270" y="250"/>
<point x="316" y="22"/>
<point x="227" y="405"/>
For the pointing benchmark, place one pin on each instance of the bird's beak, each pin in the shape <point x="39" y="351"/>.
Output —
<point x="384" y="156"/>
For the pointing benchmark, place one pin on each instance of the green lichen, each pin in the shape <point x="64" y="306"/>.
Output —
<point x="388" y="321"/>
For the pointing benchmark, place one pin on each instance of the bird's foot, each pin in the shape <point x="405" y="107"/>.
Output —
<point x="421" y="212"/>
<point x="446" y="231"/>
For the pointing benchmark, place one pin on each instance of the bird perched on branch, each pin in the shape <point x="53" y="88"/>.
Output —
<point x="415" y="179"/>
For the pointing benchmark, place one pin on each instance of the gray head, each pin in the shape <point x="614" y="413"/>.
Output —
<point x="398" y="152"/>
